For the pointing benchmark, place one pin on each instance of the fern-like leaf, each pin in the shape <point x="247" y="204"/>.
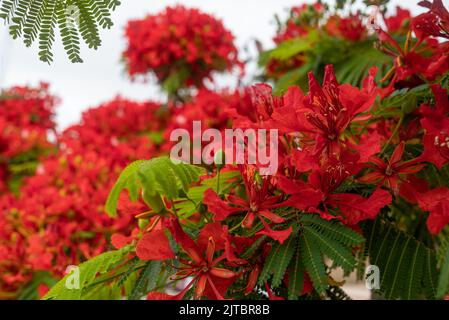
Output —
<point x="278" y="261"/>
<point x="295" y="275"/>
<point x="333" y="230"/>
<point x="147" y="280"/>
<point x="38" y="19"/>
<point x="313" y="263"/>
<point x="88" y="271"/>
<point x="407" y="267"/>
<point x="69" y="35"/>
<point x="158" y="176"/>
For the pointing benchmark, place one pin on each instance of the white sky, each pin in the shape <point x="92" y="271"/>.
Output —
<point x="102" y="75"/>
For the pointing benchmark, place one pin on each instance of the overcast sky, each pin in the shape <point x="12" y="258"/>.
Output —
<point x="102" y="76"/>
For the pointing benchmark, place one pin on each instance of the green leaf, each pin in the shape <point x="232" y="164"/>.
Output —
<point x="293" y="77"/>
<point x="443" y="281"/>
<point x="291" y="48"/>
<point x="313" y="263"/>
<point x="295" y="275"/>
<point x="38" y="19"/>
<point x="158" y="176"/>
<point x="333" y="230"/>
<point x="278" y="261"/>
<point x="340" y="254"/>
<point x="88" y="271"/>
<point x="407" y="267"/>
<point x="147" y="280"/>
<point x="187" y="205"/>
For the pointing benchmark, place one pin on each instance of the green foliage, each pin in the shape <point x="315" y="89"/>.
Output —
<point x="320" y="238"/>
<point x="147" y="280"/>
<point x="158" y="176"/>
<point x="313" y="263"/>
<point x="407" y="267"/>
<point x="335" y="231"/>
<point x="404" y="101"/>
<point x="88" y="272"/>
<point x="351" y="60"/>
<point x="30" y="292"/>
<point x="443" y="280"/>
<point x="295" y="275"/>
<point x="357" y="62"/>
<point x="304" y="252"/>
<point x="278" y="261"/>
<point x="38" y="19"/>
<point x="290" y="48"/>
<point x="252" y="249"/>
<point x="190" y="202"/>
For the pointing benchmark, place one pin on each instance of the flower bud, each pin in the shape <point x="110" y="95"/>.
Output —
<point x="153" y="201"/>
<point x="220" y="159"/>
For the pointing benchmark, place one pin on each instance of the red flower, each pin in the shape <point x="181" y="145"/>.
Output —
<point x="179" y="42"/>
<point x="318" y="195"/>
<point x="349" y="28"/>
<point x="433" y="23"/>
<point x="436" y="123"/>
<point x="425" y="59"/>
<point x="258" y="203"/>
<point x="399" y="22"/>
<point x="302" y="19"/>
<point x="436" y="201"/>
<point x="393" y="172"/>
<point x="325" y="112"/>
<point x="208" y="276"/>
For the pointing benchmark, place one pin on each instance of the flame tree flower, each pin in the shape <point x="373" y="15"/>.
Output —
<point x="182" y="47"/>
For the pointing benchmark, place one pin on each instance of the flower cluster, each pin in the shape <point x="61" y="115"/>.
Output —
<point x="58" y="219"/>
<point x="26" y="119"/>
<point x="180" y="46"/>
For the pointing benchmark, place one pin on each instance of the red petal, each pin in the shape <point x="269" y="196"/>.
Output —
<point x="368" y="146"/>
<point x="271" y="216"/>
<point x="200" y="286"/>
<point x="397" y="153"/>
<point x="214" y="230"/>
<point x="435" y="201"/>
<point x="217" y="206"/>
<point x="279" y="235"/>
<point x="222" y="273"/>
<point x="356" y="208"/>
<point x="154" y="246"/>
<point x="161" y="296"/>
<point x="118" y="240"/>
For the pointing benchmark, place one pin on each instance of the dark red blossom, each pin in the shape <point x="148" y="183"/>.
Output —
<point x="399" y="22"/>
<point x="319" y="194"/>
<point x="258" y="203"/>
<point x="393" y="172"/>
<point x="435" y="122"/>
<point x="203" y="267"/>
<point x="322" y="116"/>
<point x="433" y="23"/>
<point x="436" y="202"/>
<point x="179" y="42"/>
<point x="349" y="28"/>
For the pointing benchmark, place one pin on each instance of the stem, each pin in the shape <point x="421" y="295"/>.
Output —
<point x="113" y="277"/>
<point x="395" y="132"/>
<point x="218" y="181"/>
<point x="236" y="226"/>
